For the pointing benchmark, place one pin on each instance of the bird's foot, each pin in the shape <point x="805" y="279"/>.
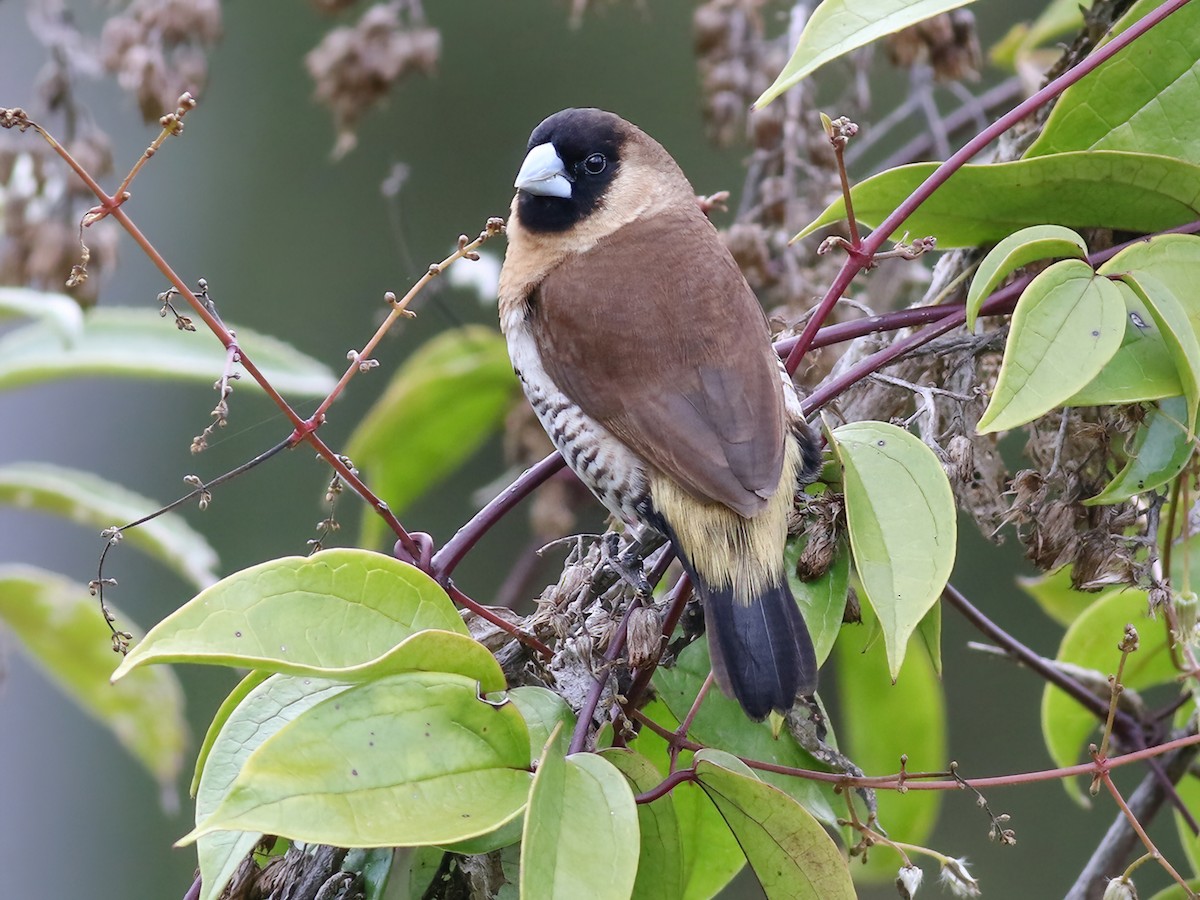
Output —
<point x="626" y="564"/>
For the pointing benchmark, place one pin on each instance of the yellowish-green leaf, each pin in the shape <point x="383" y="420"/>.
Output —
<point x="1059" y="18"/>
<point x="263" y="706"/>
<point x="58" y="311"/>
<point x="224" y="711"/>
<point x="903" y="529"/>
<point x="660" y="865"/>
<point x="1054" y="594"/>
<point x="1138" y="100"/>
<point x="438" y="409"/>
<point x="1068" y="323"/>
<point x="87" y="499"/>
<point x="1170" y="315"/>
<point x="410" y="759"/>
<point x="136" y="343"/>
<point x="62" y="629"/>
<point x="305" y="615"/>
<point x="1175" y="892"/>
<point x="1091" y="643"/>
<point x="581" y="830"/>
<point x="1161" y="448"/>
<point x="1141" y="369"/>
<point x="822" y="600"/>
<point x="711" y="855"/>
<point x="838" y="26"/>
<point x="982" y="204"/>
<point x="543" y="711"/>
<point x="1017" y="250"/>
<point x="880" y="722"/>
<point x="790" y="852"/>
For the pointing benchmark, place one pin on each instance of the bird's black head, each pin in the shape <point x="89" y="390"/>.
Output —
<point x="572" y="159"/>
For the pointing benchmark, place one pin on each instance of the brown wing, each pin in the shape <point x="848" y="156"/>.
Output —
<point x="655" y="334"/>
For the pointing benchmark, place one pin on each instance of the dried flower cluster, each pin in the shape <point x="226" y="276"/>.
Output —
<point x="39" y="234"/>
<point x="355" y="66"/>
<point x="947" y="44"/>
<point x="158" y="49"/>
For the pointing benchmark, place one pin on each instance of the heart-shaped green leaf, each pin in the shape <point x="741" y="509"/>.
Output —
<point x="1017" y="250"/>
<point x="279" y="615"/>
<point x="581" y="830"/>
<point x="411" y="759"/>
<point x="982" y="204"/>
<point x="838" y="26"/>
<point x="902" y="523"/>
<point x="1068" y="323"/>
<point x="790" y="852"/>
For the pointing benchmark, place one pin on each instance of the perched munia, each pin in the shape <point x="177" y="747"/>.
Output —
<point x="648" y="361"/>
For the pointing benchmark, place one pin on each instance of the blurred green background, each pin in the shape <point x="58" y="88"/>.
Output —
<point x="298" y="246"/>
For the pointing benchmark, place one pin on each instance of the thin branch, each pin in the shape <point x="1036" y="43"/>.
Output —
<point x="855" y="262"/>
<point x="446" y="560"/>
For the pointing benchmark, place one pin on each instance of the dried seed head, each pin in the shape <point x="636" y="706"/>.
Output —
<point x="643" y="636"/>
<point x="908" y="879"/>
<point x="1121" y="888"/>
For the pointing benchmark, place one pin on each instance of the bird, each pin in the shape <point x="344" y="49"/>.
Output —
<point x="647" y="358"/>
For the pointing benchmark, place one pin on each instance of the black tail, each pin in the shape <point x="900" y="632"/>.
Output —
<point x="761" y="651"/>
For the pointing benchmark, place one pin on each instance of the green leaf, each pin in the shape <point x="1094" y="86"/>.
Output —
<point x="301" y="614"/>
<point x="410" y="759"/>
<point x="838" y="26"/>
<point x="930" y="631"/>
<point x="1188" y="789"/>
<point x="901" y="518"/>
<point x="1091" y="643"/>
<point x="982" y="204"/>
<point x="1068" y="323"/>
<point x="581" y="830"/>
<point x="1057" y="19"/>
<point x="224" y="711"/>
<point x="441" y="405"/>
<point x="1017" y="250"/>
<point x="1173" y="323"/>
<point x="375" y="864"/>
<point x="1140" y="100"/>
<point x="61" y="628"/>
<point x="1141" y="369"/>
<point x="136" y="343"/>
<point x="720" y="722"/>
<point x="1161" y="448"/>
<point x="543" y="711"/>
<point x="58" y="311"/>
<point x="263" y="708"/>
<point x="788" y="849"/>
<point x="1054" y="594"/>
<point x="711" y="855"/>
<point x="822" y="600"/>
<point x="880" y="721"/>
<point x="1175" y="892"/>
<point x="660" y="865"/>
<point x="87" y="499"/>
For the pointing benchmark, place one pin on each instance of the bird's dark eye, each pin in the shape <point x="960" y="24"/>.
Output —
<point x="595" y="164"/>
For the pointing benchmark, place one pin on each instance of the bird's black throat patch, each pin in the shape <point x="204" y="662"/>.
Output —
<point x="577" y="136"/>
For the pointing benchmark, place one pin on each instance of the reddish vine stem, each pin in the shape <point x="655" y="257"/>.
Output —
<point x="1141" y="833"/>
<point x="861" y="255"/>
<point x="1128" y="727"/>
<point x="484" y="613"/>
<point x="303" y="429"/>
<point x="932" y="781"/>
<point x="446" y="560"/>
